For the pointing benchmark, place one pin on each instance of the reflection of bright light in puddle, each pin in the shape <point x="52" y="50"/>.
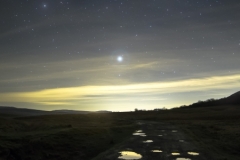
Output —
<point x="175" y="153"/>
<point x="156" y="151"/>
<point x="138" y="134"/>
<point x="193" y="153"/>
<point x="174" y="130"/>
<point x="183" y="159"/>
<point x="129" y="155"/>
<point x="148" y="141"/>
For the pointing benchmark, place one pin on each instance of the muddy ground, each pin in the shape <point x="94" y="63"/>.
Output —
<point x="168" y="140"/>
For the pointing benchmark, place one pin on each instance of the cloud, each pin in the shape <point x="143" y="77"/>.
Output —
<point x="95" y="71"/>
<point x="89" y="94"/>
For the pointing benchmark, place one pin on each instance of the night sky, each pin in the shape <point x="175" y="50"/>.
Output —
<point x="117" y="55"/>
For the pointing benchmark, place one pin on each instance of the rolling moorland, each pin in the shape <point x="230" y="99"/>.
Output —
<point x="214" y="125"/>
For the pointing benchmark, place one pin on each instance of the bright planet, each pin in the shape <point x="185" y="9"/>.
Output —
<point x="120" y="58"/>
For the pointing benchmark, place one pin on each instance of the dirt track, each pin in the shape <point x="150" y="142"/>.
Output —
<point x="166" y="138"/>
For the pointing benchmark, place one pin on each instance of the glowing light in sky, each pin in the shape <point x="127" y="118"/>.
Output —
<point x="87" y="94"/>
<point x="120" y="58"/>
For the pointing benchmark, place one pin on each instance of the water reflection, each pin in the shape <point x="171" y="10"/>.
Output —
<point x="129" y="155"/>
<point x="193" y="153"/>
<point x="174" y="130"/>
<point x="148" y="141"/>
<point x="181" y="140"/>
<point x="160" y="135"/>
<point x="156" y="150"/>
<point x="183" y="159"/>
<point x="139" y="134"/>
<point x="175" y="153"/>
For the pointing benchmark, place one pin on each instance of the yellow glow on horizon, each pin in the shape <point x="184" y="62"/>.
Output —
<point x="69" y="96"/>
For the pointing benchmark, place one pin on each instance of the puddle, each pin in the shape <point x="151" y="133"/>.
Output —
<point x="174" y="130"/>
<point x="175" y="153"/>
<point x="156" y="150"/>
<point x="129" y="155"/>
<point x="181" y="140"/>
<point x="193" y="153"/>
<point x="183" y="159"/>
<point x="148" y="141"/>
<point x="139" y="134"/>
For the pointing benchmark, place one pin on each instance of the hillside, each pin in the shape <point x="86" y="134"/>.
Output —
<point x="233" y="99"/>
<point x="13" y="111"/>
<point x="7" y="111"/>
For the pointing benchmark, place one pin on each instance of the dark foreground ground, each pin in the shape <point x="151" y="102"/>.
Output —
<point x="214" y="132"/>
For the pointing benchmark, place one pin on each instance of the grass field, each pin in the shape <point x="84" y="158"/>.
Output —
<point x="218" y="138"/>
<point x="216" y="130"/>
<point x="60" y="136"/>
<point x="84" y="136"/>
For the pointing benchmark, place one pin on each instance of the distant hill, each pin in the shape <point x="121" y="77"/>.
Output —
<point x="103" y="111"/>
<point x="13" y="111"/>
<point x="5" y="110"/>
<point x="233" y="99"/>
<point x="66" y="111"/>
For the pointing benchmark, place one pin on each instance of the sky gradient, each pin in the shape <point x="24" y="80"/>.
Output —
<point x="65" y="54"/>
